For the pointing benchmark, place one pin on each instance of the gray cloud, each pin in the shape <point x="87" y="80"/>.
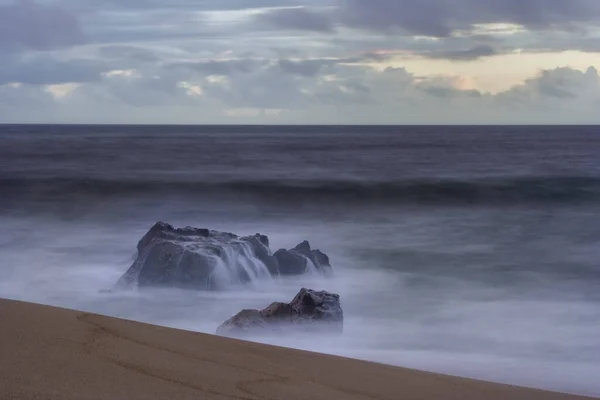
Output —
<point x="140" y="92"/>
<point x="221" y="67"/>
<point x="16" y="103"/>
<point x="439" y="18"/>
<point x="46" y="70"/>
<point x="198" y="5"/>
<point x="128" y="53"/>
<point x="303" y="56"/>
<point x="449" y="92"/>
<point x="295" y="19"/>
<point x="315" y="66"/>
<point x="28" y="25"/>
<point x="471" y="54"/>
<point x="560" y="84"/>
<point x="353" y="95"/>
<point x="307" y="68"/>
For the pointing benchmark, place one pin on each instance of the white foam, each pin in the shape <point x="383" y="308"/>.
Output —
<point x="445" y="325"/>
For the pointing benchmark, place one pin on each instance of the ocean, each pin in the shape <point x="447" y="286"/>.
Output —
<point x="472" y="251"/>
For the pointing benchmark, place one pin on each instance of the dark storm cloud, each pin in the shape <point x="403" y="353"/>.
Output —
<point x="295" y="19"/>
<point x="439" y="18"/>
<point x="25" y="24"/>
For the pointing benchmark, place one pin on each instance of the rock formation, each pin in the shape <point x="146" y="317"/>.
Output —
<point x="203" y="259"/>
<point x="310" y="311"/>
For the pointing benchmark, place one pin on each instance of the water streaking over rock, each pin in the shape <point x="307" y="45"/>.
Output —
<point x="193" y="258"/>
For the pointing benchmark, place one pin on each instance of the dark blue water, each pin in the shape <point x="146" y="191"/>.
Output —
<point x="467" y="250"/>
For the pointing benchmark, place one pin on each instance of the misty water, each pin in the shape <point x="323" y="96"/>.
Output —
<point x="468" y="251"/>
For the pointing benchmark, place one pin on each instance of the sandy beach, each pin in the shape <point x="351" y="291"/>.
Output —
<point x="51" y="353"/>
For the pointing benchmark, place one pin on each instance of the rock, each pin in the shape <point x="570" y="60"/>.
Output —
<point x="290" y="262"/>
<point x="302" y="259"/>
<point x="203" y="259"/>
<point x="310" y="311"/>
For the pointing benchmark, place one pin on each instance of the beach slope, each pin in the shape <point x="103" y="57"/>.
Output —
<point x="49" y="353"/>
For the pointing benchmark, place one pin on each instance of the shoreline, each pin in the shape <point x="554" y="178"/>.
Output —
<point x="56" y="353"/>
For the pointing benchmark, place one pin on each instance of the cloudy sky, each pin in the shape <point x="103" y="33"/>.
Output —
<point x="300" y="61"/>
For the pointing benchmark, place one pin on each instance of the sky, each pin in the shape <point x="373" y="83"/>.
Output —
<point x="300" y="61"/>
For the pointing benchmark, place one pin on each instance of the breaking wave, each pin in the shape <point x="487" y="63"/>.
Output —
<point x="437" y="191"/>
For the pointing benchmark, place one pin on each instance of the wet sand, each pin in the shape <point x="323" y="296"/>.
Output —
<point x="49" y="353"/>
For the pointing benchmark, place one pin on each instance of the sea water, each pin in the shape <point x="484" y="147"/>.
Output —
<point x="473" y="251"/>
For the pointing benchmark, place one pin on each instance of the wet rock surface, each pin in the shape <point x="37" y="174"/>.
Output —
<point x="309" y="311"/>
<point x="194" y="258"/>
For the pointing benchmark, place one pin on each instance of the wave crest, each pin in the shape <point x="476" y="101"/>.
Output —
<point x="500" y="190"/>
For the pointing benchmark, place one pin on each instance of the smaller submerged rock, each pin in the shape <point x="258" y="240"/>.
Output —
<point x="309" y="311"/>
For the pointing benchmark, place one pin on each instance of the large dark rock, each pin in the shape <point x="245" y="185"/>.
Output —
<point x="195" y="258"/>
<point x="310" y="311"/>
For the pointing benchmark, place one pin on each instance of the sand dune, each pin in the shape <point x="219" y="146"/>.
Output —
<point x="49" y="353"/>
